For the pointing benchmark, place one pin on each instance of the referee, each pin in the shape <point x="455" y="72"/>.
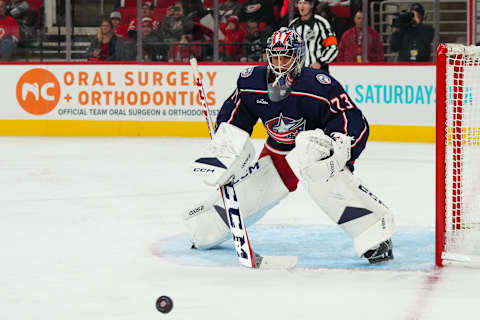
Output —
<point x="320" y="40"/>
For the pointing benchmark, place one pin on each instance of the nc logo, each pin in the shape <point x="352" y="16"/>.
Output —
<point x="38" y="91"/>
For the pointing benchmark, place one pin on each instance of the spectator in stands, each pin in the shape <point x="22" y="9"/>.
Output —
<point x="152" y="49"/>
<point x="128" y="38"/>
<point x="232" y="33"/>
<point x="372" y="5"/>
<point x="339" y="26"/>
<point x="277" y="7"/>
<point x="18" y="9"/>
<point x="260" y="11"/>
<point x="26" y="18"/>
<point x="177" y="27"/>
<point x="106" y="45"/>
<point x="256" y="40"/>
<point x="227" y="9"/>
<point x="411" y="38"/>
<point x="147" y="11"/>
<point x="350" y="47"/>
<point x="176" y="24"/>
<point x="121" y="30"/>
<point x="320" y="40"/>
<point x="194" y="9"/>
<point x="9" y="33"/>
<point x="284" y="11"/>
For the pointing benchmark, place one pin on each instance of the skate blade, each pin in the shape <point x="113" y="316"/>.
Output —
<point x="387" y="257"/>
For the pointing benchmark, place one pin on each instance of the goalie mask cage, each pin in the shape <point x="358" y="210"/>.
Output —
<point x="458" y="155"/>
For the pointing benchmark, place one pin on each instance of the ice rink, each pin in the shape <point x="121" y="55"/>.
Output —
<point x="91" y="229"/>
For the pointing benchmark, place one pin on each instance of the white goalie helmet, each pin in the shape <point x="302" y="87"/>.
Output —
<point x="285" y="43"/>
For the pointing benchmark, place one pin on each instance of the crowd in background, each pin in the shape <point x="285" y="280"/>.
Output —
<point x="186" y="29"/>
<point x="19" y="23"/>
<point x="175" y="30"/>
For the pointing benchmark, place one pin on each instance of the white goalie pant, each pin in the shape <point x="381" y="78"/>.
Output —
<point x="349" y="203"/>
<point x="258" y="190"/>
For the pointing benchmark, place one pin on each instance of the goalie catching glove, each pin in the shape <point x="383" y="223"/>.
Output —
<point x="319" y="162"/>
<point x="229" y="152"/>
<point x="318" y="157"/>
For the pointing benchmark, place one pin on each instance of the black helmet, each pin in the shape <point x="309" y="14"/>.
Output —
<point x="419" y="8"/>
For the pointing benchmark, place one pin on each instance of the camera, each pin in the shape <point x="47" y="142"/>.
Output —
<point x="404" y="19"/>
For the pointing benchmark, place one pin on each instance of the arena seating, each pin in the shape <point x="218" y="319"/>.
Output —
<point x="35" y="4"/>
<point x="128" y="14"/>
<point x="133" y="3"/>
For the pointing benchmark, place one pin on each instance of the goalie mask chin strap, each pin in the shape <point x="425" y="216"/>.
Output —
<point x="279" y="87"/>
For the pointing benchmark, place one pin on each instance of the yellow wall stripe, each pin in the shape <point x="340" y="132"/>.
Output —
<point x="402" y="133"/>
<point x="93" y="128"/>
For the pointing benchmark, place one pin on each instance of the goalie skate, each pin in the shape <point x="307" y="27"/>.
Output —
<point x="382" y="253"/>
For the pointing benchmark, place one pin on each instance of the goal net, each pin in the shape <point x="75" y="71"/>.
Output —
<point x="458" y="155"/>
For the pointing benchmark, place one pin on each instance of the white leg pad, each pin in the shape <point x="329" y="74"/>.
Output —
<point x="361" y="214"/>
<point x="258" y="190"/>
<point x="375" y="234"/>
<point x="205" y="224"/>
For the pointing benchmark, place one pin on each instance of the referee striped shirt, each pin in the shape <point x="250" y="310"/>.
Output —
<point x="320" y="40"/>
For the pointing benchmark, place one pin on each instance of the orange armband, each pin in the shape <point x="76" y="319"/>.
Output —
<point x="332" y="40"/>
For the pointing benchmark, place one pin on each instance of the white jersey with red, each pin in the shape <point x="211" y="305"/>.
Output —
<point x="133" y="24"/>
<point x="9" y="27"/>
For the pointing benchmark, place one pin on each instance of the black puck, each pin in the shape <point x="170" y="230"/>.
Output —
<point x="164" y="304"/>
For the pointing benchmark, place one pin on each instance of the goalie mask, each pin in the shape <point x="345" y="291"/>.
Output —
<point x="286" y="56"/>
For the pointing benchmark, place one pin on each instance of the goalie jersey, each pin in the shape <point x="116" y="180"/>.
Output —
<point x="316" y="100"/>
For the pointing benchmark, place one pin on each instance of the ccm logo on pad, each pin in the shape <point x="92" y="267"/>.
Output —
<point x="203" y="170"/>
<point x="371" y="195"/>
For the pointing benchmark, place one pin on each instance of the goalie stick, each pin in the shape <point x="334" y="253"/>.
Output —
<point x="245" y="253"/>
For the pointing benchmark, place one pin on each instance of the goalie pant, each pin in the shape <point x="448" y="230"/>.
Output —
<point x="344" y="198"/>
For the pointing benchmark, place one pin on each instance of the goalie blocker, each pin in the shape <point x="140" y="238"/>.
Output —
<point x="319" y="162"/>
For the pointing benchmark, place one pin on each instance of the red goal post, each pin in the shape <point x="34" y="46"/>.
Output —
<point x="458" y="155"/>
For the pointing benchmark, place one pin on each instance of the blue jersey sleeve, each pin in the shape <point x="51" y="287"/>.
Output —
<point x="236" y="112"/>
<point x="345" y="117"/>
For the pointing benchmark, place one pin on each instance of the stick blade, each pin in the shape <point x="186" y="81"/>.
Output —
<point x="275" y="262"/>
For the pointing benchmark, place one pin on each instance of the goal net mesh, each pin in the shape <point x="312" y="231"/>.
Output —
<point x="462" y="212"/>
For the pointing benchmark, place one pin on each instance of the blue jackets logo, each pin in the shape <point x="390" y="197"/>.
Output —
<point x="246" y="72"/>
<point x="284" y="129"/>
<point x="323" y="79"/>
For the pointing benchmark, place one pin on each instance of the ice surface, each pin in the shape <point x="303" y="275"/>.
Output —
<point x="315" y="246"/>
<point x="84" y="222"/>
